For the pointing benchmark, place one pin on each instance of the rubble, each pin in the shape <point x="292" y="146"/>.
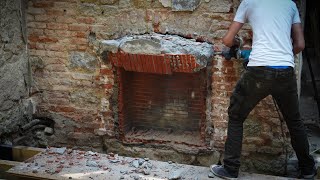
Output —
<point x="57" y="150"/>
<point x="48" y="130"/>
<point x="63" y="163"/>
<point x="175" y="175"/>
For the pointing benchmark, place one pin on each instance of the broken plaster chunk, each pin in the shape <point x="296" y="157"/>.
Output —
<point x="92" y="164"/>
<point x="123" y="172"/>
<point x="100" y="131"/>
<point x="175" y="175"/>
<point x="146" y="171"/>
<point x="135" y="177"/>
<point x="48" y="130"/>
<point x="185" y="5"/>
<point x="147" y="165"/>
<point x="166" y="3"/>
<point x="58" y="150"/>
<point x="110" y="46"/>
<point x="141" y="161"/>
<point x="90" y="153"/>
<point x="210" y="175"/>
<point x="135" y="163"/>
<point x="114" y="161"/>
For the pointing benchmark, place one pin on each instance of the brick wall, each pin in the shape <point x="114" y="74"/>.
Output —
<point x="78" y="86"/>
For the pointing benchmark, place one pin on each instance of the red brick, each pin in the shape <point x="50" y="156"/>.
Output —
<point x="55" y="12"/>
<point x="65" y="20"/>
<point x="227" y="63"/>
<point x="42" y="18"/>
<point x="105" y="71"/>
<point x="228" y="70"/>
<point x="58" y="26"/>
<point x="82" y="47"/>
<point x="78" y="27"/>
<point x="79" y="41"/>
<point x="32" y="45"/>
<point x="137" y="63"/>
<point x="81" y="34"/>
<point x="231" y="78"/>
<point x="55" y="47"/>
<point x="47" y="40"/>
<point x="108" y="86"/>
<point x="131" y="62"/>
<point x="86" y="20"/>
<point x="44" y="4"/>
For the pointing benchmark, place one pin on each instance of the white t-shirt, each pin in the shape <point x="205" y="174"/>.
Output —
<point x="271" y="22"/>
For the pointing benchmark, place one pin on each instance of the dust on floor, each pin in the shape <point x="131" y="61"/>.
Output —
<point x="63" y="163"/>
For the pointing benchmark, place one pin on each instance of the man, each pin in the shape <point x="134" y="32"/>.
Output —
<point x="277" y="36"/>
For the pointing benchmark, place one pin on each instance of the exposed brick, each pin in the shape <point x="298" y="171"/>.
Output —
<point x="81" y="34"/>
<point x="42" y="4"/>
<point x="58" y="26"/>
<point x="42" y="39"/>
<point x="55" y="12"/>
<point x="78" y="27"/>
<point x="55" y="47"/>
<point x="79" y="41"/>
<point x="86" y="20"/>
<point x="82" y="47"/>
<point x="65" y="19"/>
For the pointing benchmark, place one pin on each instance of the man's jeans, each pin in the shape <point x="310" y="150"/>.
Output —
<point x="255" y="84"/>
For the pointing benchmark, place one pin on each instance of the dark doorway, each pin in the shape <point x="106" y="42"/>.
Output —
<point x="310" y="77"/>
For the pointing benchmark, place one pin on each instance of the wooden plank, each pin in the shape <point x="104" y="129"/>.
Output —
<point x="22" y="153"/>
<point x="6" y="165"/>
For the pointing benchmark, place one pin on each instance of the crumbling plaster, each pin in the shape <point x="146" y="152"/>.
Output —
<point x="15" y="107"/>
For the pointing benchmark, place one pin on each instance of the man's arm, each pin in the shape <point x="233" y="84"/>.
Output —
<point x="297" y="38"/>
<point x="229" y="39"/>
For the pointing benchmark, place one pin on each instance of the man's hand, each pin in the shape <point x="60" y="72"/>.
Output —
<point x="297" y="38"/>
<point x="229" y="39"/>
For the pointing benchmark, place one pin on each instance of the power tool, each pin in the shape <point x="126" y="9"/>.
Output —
<point x="235" y="51"/>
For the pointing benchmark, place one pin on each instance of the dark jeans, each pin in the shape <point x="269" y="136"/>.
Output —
<point x="255" y="84"/>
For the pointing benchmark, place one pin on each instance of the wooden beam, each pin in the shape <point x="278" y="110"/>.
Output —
<point x="6" y="165"/>
<point x="22" y="153"/>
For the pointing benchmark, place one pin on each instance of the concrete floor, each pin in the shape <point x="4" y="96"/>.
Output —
<point x="73" y="164"/>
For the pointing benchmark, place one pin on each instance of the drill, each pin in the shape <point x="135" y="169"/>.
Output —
<point x="235" y="52"/>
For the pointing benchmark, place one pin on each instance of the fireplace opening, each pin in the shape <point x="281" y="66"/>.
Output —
<point x="162" y="108"/>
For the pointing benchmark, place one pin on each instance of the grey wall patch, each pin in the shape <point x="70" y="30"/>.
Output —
<point x="83" y="60"/>
<point x="185" y="5"/>
<point x="166" y="3"/>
